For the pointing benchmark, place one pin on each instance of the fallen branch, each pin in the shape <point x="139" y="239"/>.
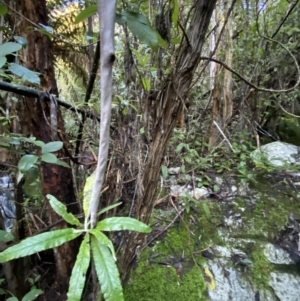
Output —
<point x="29" y="92"/>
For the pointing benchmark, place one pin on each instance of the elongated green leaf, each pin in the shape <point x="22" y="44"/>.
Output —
<point x="89" y="11"/>
<point x="61" y="210"/>
<point x="78" y="276"/>
<point x="49" y="158"/>
<point x="146" y="83"/>
<point x="87" y="192"/>
<point x="12" y="299"/>
<point x="104" y="240"/>
<point x="9" y="47"/>
<point x="122" y="223"/>
<point x="109" y="208"/>
<point x="27" y="162"/>
<point x="52" y="147"/>
<point x="2" y="61"/>
<point x="107" y="272"/>
<point x="32" y="294"/>
<point x="38" y="243"/>
<point x="24" y="73"/>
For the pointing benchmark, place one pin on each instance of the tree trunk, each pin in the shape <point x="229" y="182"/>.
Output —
<point x="172" y="99"/>
<point x="45" y="122"/>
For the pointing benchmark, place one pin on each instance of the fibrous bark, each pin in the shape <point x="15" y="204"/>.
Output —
<point x="169" y="105"/>
<point x="56" y="180"/>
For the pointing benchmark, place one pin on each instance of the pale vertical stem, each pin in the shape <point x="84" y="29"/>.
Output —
<point x="107" y="13"/>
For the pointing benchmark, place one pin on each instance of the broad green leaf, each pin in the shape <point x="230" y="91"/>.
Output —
<point x="24" y="73"/>
<point x="78" y="276"/>
<point x="3" y="10"/>
<point x="107" y="272"/>
<point x="216" y="188"/>
<point x="109" y="208"/>
<point x="52" y="147"/>
<point x="104" y="240"/>
<point x="6" y="236"/>
<point x="38" y="143"/>
<point x="49" y="158"/>
<point x="27" y="162"/>
<point x="146" y="83"/>
<point x="122" y="223"/>
<point x="89" y="11"/>
<point x="21" y="40"/>
<point x="32" y="294"/>
<point x="12" y="299"/>
<point x="38" y="243"/>
<point x="87" y="192"/>
<point x="61" y="210"/>
<point x="9" y="47"/>
<point x="140" y="26"/>
<point x="165" y="172"/>
<point x="2" y="61"/>
<point x="62" y="163"/>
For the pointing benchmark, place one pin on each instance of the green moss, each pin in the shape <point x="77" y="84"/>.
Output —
<point x="158" y="283"/>
<point x="158" y="280"/>
<point x="260" y="272"/>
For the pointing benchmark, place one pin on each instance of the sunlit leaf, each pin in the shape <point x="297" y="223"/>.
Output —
<point x="87" y="192"/>
<point x="27" y="162"/>
<point x="104" y="240"/>
<point x="146" y="83"/>
<point x="61" y="210"/>
<point x="24" y="73"/>
<point x="89" y="11"/>
<point x="107" y="272"/>
<point x="211" y="282"/>
<point x="32" y="294"/>
<point x="52" y="147"/>
<point x="78" y="277"/>
<point x="9" y="47"/>
<point x="49" y="158"/>
<point x="122" y="223"/>
<point x="38" y="243"/>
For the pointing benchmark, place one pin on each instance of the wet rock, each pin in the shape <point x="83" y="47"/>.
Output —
<point x="286" y="286"/>
<point x="278" y="153"/>
<point x="174" y="170"/>
<point x="277" y="255"/>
